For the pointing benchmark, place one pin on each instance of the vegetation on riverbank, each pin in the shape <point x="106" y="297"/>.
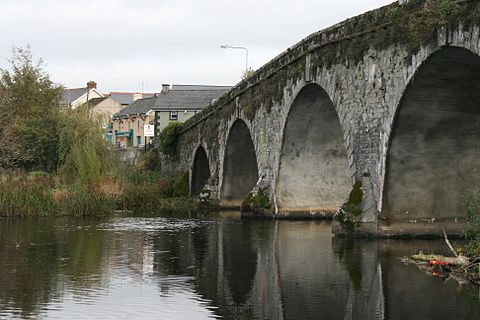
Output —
<point x="56" y="161"/>
<point x="472" y="232"/>
<point x="23" y="194"/>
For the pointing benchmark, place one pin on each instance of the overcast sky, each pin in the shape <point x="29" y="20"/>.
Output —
<point x="121" y="44"/>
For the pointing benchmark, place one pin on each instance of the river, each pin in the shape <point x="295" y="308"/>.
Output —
<point x="151" y="267"/>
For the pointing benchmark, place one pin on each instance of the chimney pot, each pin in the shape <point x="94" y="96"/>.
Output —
<point x="91" y="85"/>
<point x="165" y="88"/>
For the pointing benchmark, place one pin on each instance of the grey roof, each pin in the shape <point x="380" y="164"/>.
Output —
<point x="140" y="106"/>
<point x="175" y="100"/>
<point x="126" y="98"/>
<point x="186" y="99"/>
<point x="123" y="98"/>
<point x="70" y="95"/>
<point x="198" y="87"/>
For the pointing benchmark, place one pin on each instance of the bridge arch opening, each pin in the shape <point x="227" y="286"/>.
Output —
<point x="435" y="140"/>
<point x="200" y="171"/>
<point x="240" y="169"/>
<point x="314" y="174"/>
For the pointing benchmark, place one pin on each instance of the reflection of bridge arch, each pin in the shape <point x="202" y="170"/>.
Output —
<point x="240" y="169"/>
<point x="434" y="143"/>
<point x="200" y="171"/>
<point x="314" y="173"/>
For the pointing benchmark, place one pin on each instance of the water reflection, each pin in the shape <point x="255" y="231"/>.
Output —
<point x="203" y="268"/>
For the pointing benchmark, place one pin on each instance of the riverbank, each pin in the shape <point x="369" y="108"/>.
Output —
<point x="42" y="194"/>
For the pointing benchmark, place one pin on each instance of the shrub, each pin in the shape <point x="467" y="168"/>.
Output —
<point x="169" y="138"/>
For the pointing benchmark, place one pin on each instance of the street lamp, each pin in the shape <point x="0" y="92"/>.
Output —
<point x="226" y="46"/>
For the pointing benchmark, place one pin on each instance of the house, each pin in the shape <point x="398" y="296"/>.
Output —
<point x="77" y="96"/>
<point x="126" y="128"/>
<point x="173" y="103"/>
<point x="103" y="109"/>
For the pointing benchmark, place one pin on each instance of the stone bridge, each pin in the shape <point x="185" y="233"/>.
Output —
<point x="389" y="98"/>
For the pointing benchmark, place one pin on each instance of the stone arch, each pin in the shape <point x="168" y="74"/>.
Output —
<point x="314" y="173"/>
<point x="200" y="171"/>
<point x="433" y="146"/>
<point x="240" y="169"/>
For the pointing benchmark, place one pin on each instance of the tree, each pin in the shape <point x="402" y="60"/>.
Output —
<point x="83" y="152"/>
<point x="29" y="110"/>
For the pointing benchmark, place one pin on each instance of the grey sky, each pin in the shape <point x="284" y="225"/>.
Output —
<point x="122" y="43"/>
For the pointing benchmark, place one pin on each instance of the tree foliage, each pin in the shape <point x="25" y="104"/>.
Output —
<point x="29" y="110"/>
<point x="169" y="138"/>
<point x="83" y="152"/>
<point x="37" y="134"/>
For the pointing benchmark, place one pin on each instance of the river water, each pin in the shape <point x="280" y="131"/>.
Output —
<point x="215" y="267"/>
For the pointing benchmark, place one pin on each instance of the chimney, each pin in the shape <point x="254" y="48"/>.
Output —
<point x="136" y="96"/>
<point x="165" y="88"/>
<point x="91" y="85"/>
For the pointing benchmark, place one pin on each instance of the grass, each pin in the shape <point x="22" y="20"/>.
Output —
<point x="44" y="195"/>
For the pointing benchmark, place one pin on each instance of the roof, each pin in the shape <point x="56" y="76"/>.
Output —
<point x="198" y="87"/>
<point x="127" y="97"/>
<point x="70" y="95"/>
<point x="140" y="106"/>
<point x="175" y="100"/>
<point x="186" y="99"/>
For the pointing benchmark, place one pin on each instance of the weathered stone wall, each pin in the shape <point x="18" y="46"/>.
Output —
<point x="364" y="65"/>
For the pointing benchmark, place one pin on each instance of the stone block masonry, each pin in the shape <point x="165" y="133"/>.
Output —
<point x="388" y="97"/>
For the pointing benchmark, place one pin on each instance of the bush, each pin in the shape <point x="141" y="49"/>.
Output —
<point x="150" y="161"/>
<point x="169" y="138"/>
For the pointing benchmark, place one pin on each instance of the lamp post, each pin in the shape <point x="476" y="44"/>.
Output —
<point x="226" y="46"/>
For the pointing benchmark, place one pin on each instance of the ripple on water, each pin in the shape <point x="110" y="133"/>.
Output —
<point x="151" y="224"/>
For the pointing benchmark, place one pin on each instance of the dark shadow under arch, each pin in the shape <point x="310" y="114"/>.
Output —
<point x="200" y="171"/>
<point x="434" y="150"/>
<point x="240" y="170"/>
<point x="314" y="173"/>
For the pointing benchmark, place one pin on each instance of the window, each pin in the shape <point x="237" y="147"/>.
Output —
<point x="173" y="115"/>
<point x="139" y="140"/>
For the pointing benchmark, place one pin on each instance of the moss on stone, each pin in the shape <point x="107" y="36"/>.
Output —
<point x="256" y="203"/>
<point x="351" y="210"/>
